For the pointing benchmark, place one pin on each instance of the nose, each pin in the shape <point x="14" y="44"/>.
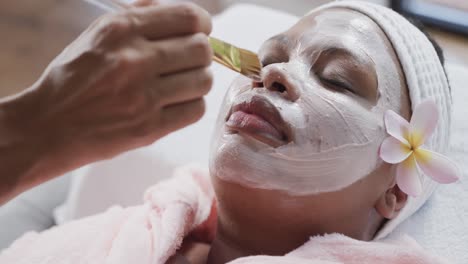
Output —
<point x="276" y="79"/>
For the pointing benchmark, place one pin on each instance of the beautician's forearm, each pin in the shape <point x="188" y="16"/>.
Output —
<point x="23" y="145"/>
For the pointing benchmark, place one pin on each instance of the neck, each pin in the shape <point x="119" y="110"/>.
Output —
<point x="223" y="251"/>
<point x="274" y="240"/>
<point x="260" y="222"/>
<point x="252" y="240"/>
<point x="245" y="229"/>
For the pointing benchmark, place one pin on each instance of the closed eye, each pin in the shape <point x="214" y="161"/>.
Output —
<point x="337" y="84"/>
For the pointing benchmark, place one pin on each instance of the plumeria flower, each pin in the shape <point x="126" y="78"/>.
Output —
<point x="405" y="147"/>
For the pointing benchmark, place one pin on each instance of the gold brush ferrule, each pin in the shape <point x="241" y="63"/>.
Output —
<point x="226" y="54"/>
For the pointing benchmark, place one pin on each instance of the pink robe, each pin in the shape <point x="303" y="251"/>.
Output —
<point x="153" y="231"/>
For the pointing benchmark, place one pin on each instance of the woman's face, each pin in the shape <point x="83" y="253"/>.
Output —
<point x="314" y="125"/>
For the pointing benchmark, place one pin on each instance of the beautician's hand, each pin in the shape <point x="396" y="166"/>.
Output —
<point x="128" y="80"/>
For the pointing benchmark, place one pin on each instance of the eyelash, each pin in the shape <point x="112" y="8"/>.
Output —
<point x="337" y="83"/>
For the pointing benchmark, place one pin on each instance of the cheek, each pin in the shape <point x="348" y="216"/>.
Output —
<point x="371" y="187"/>
<point x="393" y="93"/>
<point x="336" y="119"/>
<point x="240" y="84"/>
<point x="395" y="97"/>
<point x="362" y="195"/>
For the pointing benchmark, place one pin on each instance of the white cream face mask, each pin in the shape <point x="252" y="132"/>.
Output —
<point x="317" y="123"/>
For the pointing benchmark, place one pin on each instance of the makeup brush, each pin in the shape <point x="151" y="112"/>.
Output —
<point x="240" y="60"/>
<point x="237" y="59"/>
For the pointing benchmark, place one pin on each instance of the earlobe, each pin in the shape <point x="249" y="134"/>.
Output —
<point x="391" y="202"/>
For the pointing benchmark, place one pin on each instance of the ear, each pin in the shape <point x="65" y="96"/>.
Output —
<point x="391" y="202"/>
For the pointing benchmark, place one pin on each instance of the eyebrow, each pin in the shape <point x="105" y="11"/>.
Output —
<point x="335" y="50"/>
<point x="282" y="40"/>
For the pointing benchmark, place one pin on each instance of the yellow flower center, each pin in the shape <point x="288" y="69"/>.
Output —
<point x="415" y="139"/>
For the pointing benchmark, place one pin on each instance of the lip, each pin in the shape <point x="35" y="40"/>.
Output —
<point x="260" y="119"/>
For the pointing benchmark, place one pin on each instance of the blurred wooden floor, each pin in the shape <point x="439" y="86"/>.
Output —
<point x="33" y="32"/>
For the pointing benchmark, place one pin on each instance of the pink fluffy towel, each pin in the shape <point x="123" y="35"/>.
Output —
<point x="152" y="232"/>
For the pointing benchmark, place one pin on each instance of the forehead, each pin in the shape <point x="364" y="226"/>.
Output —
<point x="334" y="27"/>
<point x="336" y="22"/>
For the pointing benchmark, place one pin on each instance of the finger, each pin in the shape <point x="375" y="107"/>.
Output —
<point x="164" y="21"/>
<point x="177" y="116"/>
<point x="181" y="54"/>
<point x="185" y="86"/>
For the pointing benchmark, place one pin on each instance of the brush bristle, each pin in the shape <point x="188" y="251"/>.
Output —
<point x="250" y="64"/>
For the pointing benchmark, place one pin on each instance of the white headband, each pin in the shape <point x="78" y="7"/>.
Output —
<point x="425" y="78"/>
